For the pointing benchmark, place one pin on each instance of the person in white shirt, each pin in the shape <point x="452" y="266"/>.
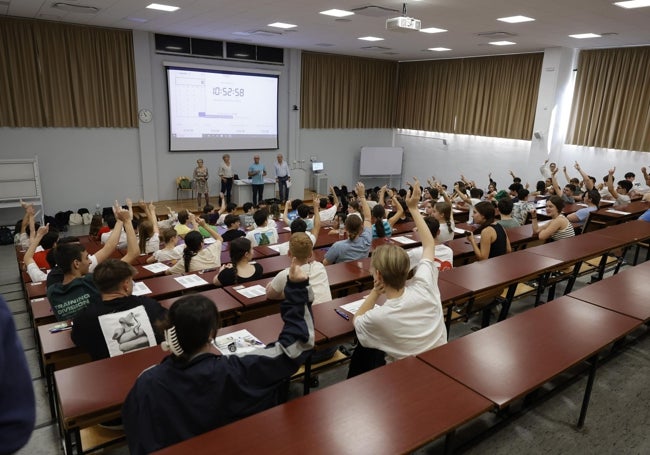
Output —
<point x="300" y="225"/>
<point x="300" y="248"/>
<point x="263" y="234"/>
<point x="226" y="175"/>
<point x="282" y="176"/>
<point x="411" y="320"/>
<point x="620" y="193"/>
<point x="328" y="214"/>
<point x="444" y="256"/>
<point x="547" y="171"/>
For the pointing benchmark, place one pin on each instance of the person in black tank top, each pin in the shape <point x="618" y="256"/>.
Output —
<point x="494" y="240"/>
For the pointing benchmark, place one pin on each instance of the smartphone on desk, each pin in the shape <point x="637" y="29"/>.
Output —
<point x="61" y="327"/>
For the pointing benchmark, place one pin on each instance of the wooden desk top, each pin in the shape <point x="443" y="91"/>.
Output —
<point x="104" y="385"/>
<point x="630" y="232"/>
<point x="577" y="248"/>
<point x="352" y="417"/>
<point x="507" y="360"/>
<point x="224" y="302"/>
<point x="54" y="343"/>
<point x="625" y="292"/>
<point x="500" y="271"/>
<point x="42" y="310"/>
<point x="36" y="289"/>
<point x="265" y="329"/>
<point x="246" y="302"/>
<point x="635" y="209"/>
<point x="166" y="286"/>
<point x="272" y="265"/>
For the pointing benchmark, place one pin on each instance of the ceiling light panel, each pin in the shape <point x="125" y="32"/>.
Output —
<point x="371" y="38"/>
<point x="439" y="49"/>
<point x="502" y="43"/>
<point x="337" y="13"/>
<point x="585" y="35"/>
<point x="515" y="19"/>
<point x="161" y="7"/>
<point x="633" y="4"/>
<point x="282" y="25"/>
<point x="432" y="30"/>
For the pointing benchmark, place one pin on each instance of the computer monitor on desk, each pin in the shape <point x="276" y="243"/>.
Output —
<point x="317" y="166"/>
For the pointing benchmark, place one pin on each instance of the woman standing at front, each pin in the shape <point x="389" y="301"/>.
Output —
<point x="226" y="175"/>
<point x="201" y="182"/>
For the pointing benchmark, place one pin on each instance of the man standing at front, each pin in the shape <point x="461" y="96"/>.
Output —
<point x="282" y="176"/>
<point x="257" y="172"/>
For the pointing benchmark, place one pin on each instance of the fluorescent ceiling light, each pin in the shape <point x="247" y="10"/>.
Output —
<point x="137" y="19"/>
<point x="585" y="35"/>
<point x="337" y="13"/>
<point x="633" y="4"/>
<point x="173" y="48"/>
<point x="515" y="19"/>
<point x="371" y="38"/>
<point x="439" y="49"/>
<point x="160" y="7"/>
<point x="282" y="25"/>
<point x="432" y="30"/>
<point x="501" y="43"/>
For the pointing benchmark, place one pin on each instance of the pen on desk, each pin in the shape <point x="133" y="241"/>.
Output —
<point x="342" y="314"/>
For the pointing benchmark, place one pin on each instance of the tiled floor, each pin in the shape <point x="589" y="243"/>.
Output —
<point x="617" y="422"/>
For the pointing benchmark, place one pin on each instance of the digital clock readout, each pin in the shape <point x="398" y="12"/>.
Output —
<point x="228" y="91"/>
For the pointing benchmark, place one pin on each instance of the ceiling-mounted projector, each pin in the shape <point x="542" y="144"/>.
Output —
<point x="403" y="24"/>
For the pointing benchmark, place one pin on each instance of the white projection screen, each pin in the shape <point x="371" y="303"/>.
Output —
<point x="213" y="108"/>
<point x="381" y="161"/>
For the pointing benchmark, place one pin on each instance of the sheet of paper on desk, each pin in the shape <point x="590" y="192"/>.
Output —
<point x="274" y="247"/>
<point x="140" y="288"/>
<point x="156" y="267"/>
<point x="353" y="307"/>
<point x="403" y="239"/>
<point x="252" y="291"/>
<point x="287" y="228"/>
<point x="240" y="342"/>
<point x="457" y="210"/>
<point x="618" y="212"/>
<point x="190" y="281"/>
<point x="459" y="230"/>
<point x="209" y="240"/>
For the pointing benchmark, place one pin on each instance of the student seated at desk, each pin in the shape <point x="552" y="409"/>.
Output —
<point x="357" y="245"/>
<point x="411" y="320"/>
<point x="195" y="257"/>
<point x="196" y="389"/>
<point x="171" y="251"/>
<point x="494" y="240"/>
<point x="76" y="289"/>
<point x="233" y="223"/>
<point x="444" y="256"/>
<point x="620" y="193"/>
<point x="148" y="231"/>
<point x="240" y="269"/>
<point x="382" y="227"/>
<point x="300" y="251"/>
<point x="559" y="227"/>
<point x="299" y="225"/>
<point x="114" y="280"/>
<point x="263" y="234"/>
<point x="591" y="197"/>
<point x="505" y="207"/>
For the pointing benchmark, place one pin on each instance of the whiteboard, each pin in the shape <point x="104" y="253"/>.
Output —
<point x="381" y="161"/>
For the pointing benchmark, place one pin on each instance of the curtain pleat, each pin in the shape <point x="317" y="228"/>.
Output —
<point x="64" y="75"/>
<point x="611" y="100"/>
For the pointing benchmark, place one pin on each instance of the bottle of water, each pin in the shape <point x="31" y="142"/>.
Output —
<point x="341" y="231"/>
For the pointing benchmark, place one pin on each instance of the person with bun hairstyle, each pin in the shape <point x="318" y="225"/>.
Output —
<point x="197" y="388"/>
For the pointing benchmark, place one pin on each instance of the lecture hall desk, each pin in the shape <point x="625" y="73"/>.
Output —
<point x="630" y="233"/>
<point x="626" y="292"/>
<point x="393" y="409"/>
<point x="634" y="209"/>
<point x="506" y="361"/>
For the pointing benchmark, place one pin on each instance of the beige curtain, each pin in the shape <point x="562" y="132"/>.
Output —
<point x="62" y="75"/>
<point x="611" y="100"/>
<point x="486" y="96"/>
<point x="346" y="92"/>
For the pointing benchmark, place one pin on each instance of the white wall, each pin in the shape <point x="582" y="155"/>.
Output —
<point x="340" y="150"/>
<point x="79" y="167"/>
